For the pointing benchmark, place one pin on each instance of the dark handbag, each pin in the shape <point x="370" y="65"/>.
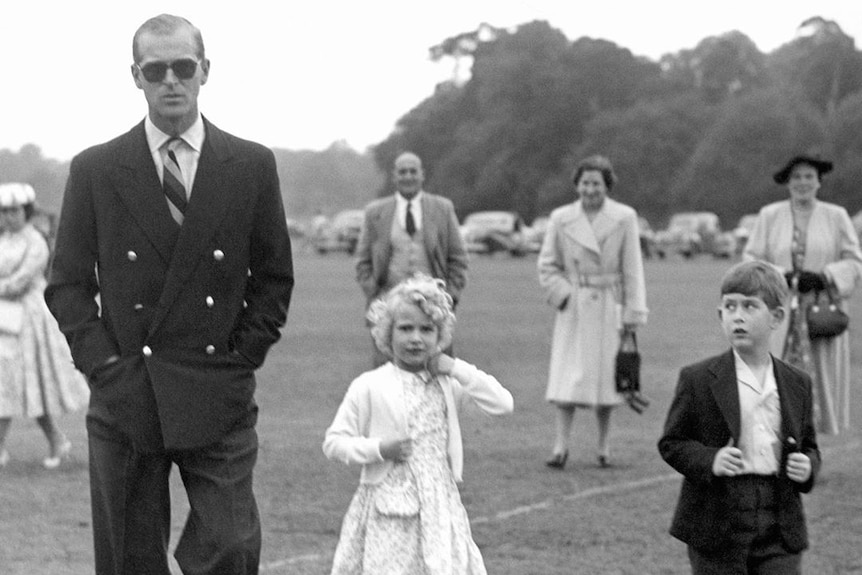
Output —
<point x="824" y="317"/>
<point x="627" y="375"/>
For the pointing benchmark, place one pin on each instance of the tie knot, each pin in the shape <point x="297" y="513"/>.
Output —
<point x="173" y="144"/>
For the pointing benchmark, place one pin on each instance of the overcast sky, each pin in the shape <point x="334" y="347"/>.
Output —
<point x="302" y="75"/>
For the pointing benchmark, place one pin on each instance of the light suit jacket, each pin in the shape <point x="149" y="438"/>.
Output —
<point x="440" y="232"/>
<point x="373" y="408"/>
<point x="703" y="416"/>
<point x="191" y="311"/>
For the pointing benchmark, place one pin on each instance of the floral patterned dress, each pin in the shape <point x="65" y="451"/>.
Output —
<point x="37" y="376"/>
<point x="413" y="522"/>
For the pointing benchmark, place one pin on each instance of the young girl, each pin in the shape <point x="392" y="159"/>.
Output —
<point x="400" y="422"/>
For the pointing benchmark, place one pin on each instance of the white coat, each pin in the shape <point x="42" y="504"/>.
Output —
<point x="373" y="409"/>
<point x="594" y="271"/>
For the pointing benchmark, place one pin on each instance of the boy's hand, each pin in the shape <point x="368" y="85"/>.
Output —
<point x="798" y="467"/>
<point x="397" y="450"/>
<point x="728" y="461"/>
<point x="441" y="364"/>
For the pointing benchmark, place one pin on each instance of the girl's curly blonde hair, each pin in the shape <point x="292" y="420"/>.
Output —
<point x="425" y="292"/>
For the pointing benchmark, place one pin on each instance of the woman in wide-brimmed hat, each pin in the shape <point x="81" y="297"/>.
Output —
<point x="815" y="244"/>
<point x="37" y="378"/>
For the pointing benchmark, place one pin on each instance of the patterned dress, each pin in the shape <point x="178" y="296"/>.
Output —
<point x="413" y="522"/>
<point x="37" y="376"/>
<point x="827" y="244"/>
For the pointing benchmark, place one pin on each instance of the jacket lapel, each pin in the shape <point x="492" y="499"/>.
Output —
<point x="606" y="221"/>
<point x="382" y="226"/>
<point x="579" y="229"/>
<point x="724" y="390"/>
<point x="213" y="192"/>
<point x="137" y="183"/>
<point x="429" y="225"/>
<point x="385" y="217"/>
<point x="790" y="398"/>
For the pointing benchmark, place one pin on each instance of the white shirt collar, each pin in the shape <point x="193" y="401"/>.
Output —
<point x="746" y="376"/>
<point x="401" y="201"/>
<point x="193" y="137"/>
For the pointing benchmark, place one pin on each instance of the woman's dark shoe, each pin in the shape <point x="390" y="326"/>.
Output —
<point x="558" y="461"/>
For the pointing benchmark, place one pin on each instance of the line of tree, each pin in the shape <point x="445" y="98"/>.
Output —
<point x="701" y="129"/>
<point x="312" y="182"/>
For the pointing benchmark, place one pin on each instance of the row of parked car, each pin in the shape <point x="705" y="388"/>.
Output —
<point x="484" y="232"/>
<point x="489" y="232"/>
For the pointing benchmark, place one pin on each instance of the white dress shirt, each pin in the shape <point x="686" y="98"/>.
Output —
<point x="188" y="153"/>
<point x="415" y="209"/>
<point x="760" y="420"/>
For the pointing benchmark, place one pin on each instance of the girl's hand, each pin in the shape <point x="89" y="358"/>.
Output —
<point x="397" y="450"/>
<point x="798" y="467"/>
<point x="441" y="364"/>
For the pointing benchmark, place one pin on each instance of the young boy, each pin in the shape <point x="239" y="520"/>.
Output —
<point x="740" y="431"/>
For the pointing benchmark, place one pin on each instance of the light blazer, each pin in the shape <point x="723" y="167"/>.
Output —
<point x="373" y="409"/>
<point x="703" y="417"/>
<point x="191" y="311"/>
<point x="443" y="245"/>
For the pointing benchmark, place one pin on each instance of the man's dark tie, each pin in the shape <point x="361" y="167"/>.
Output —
<point x="409" y="222"/>
<point x="172" y="181"/>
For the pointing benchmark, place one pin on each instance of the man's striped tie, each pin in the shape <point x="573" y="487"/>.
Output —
<point x="172" y="181"/>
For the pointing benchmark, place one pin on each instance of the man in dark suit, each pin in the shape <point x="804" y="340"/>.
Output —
<point x="407" y="232"/>
<point x="171" y="280"/>
<point x="740" y="431"/>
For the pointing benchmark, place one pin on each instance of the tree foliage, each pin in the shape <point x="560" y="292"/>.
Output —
<point x="700" y="129"/>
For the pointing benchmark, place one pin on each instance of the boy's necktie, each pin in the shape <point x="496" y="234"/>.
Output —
<point x="172" y="181"/>
<point x="409" y="223"/>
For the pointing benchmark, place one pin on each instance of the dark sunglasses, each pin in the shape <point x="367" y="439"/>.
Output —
<point x="184" y="69"/>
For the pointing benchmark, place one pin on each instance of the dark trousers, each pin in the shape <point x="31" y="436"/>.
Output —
<point x="131" y="506"/>
<point x="757" y="547"/>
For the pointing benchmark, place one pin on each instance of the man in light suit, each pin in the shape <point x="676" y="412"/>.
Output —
<point x="171" y="280"/>
<point x="407" y="232"/>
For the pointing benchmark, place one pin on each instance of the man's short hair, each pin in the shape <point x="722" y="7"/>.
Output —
<point x="165" y="24"/>
<point x="756" y="278"/>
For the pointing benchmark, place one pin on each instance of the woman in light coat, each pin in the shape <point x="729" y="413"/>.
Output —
<point x="37" y="377"/>
<point x="591" y="269"/>
<point x="815" y="245"/>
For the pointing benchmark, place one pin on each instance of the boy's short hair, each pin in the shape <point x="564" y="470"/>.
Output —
<point x="428" y="294"/>
<point x="756" y="278"/>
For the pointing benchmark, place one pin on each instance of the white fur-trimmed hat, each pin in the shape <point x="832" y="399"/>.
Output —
<point x="16" y="194"/>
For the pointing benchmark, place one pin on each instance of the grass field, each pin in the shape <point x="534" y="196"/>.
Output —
<point x="527" y="520"/>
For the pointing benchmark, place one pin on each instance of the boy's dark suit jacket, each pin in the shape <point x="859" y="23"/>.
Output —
<point x="191" y="311"/>
<point x="703" y="417"/>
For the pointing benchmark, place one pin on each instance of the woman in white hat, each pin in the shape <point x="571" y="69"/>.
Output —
<point x="37" y="377"/>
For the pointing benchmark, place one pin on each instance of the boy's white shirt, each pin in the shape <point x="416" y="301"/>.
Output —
<point x="374" y="408"/>
<point x="760" y="419"/>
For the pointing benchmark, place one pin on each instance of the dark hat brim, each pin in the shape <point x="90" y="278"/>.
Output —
<point x="782" y="176"/>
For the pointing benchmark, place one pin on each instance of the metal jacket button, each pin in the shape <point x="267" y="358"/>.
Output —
<point x="210" y="349"/>
<point x="210" y="301"/>
<point x="133" y="257"/>
<point x="218" y="255"/>
<point x="139" y="306"/>
<point x="147" y="351"/>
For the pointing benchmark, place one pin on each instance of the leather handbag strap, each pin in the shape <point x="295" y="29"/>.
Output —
<point x="629" y="335"/>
